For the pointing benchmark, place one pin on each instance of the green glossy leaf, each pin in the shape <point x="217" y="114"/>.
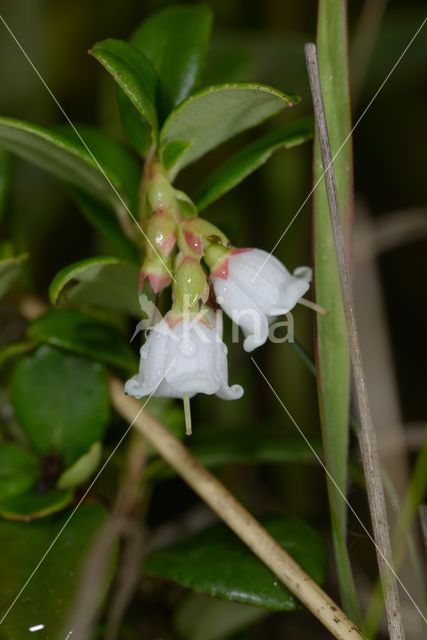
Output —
<point x="203" y="618"/>
<point x="61" y="401"/>
<point x="79" y="333"/>
<point x="215" y="114"/>
<point x="105" y="282"/>
<point x="82" y="469"/>
<point x="175" y="40"/>
<point x="172" y="152"/>
<point x="49" y="595"/>
<point x="217" y="563"/>
<point x="58" y="155"/>
<point x="136" y="127"/>
<point x="113" y="157"/>
<point x="19" y="470"/>
<point x="105" y="220"/>
<point x="333" y="362"/>
<point x="250" y="158"/>
<point x="10" y="269"/>
<point x="133" y="73"/>
<point x="33" y="505"/>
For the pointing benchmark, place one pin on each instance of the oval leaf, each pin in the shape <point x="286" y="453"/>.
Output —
<point x="215" y="114"/>
<point x="19" y="470"/>
<point x="82" y="469"/>
<point x="250" y="158"/>
<point x="79" y="333"/>
<point x="175" y="40"/>
<point x="136" y="127"/>
<point x="61" y="401"/>
<point x="58" y="155"/>
<point x="49" y="596"/>
<point x="133" y="73"/>
<point x="32" y="505"/>
<point x="217" y="563"/>
<point x="105" y="282"/>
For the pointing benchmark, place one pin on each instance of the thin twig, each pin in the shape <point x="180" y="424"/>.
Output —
<point x="235" y="516"/>
<point x="367" y="435"/>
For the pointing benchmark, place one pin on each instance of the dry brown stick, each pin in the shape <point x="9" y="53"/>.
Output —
<point x="235" y="516"/>
<point x="367" y="435"/>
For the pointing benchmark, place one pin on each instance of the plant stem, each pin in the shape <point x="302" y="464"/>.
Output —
<point x="235" y="516"/>
<point x="367" y="436"/>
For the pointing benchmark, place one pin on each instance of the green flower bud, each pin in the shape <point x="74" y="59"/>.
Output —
<point x="190" y="284"/>
<point x="161" y="194"/>
<point x="161" y="229"/>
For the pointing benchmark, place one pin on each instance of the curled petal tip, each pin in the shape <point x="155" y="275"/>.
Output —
<point x="237" y="391"/>
<point x="252" y="342"/>
<point x="305" y="273"/>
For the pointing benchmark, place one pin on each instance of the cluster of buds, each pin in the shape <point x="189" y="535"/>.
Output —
<point x="184" y="353"/>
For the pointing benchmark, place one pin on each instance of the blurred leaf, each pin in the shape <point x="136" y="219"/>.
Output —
<point x="50" y="594"/>
<point x="259" y="55"/>
<point x="56" y="154"/>
<point x="333" y="362"/>
<point x="104" y="219"/>
<point x="133" y="73"/>
<point x="82" y="469"/>
<point x="250" y="158"/>
<point x="136" y="127"/>
<point x="4" y="179"/>
<point x="14" y="350"/>
<point x="223" y="446"/>
<point x="217" y="563"/>
<point x="102" y="281"/>
<point x="79" y="333"/>
<point x="61" y="401"/>
<point x="399" y="23"/>
<point x="10" y="269"/>
<point x="33" y="505"/>
<point x="175" y="41"/>
<point x="203" y="618"/>
<point x="113" y="157"/>
<point x="19" y="469"/>
<point x="215" y="114"/>
<point x="170" y="414"/>
<point x="261" y="445"/>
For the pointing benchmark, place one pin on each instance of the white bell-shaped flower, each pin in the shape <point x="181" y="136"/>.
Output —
<point x="182" y="357"/>
<point x="253" y="288"/>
